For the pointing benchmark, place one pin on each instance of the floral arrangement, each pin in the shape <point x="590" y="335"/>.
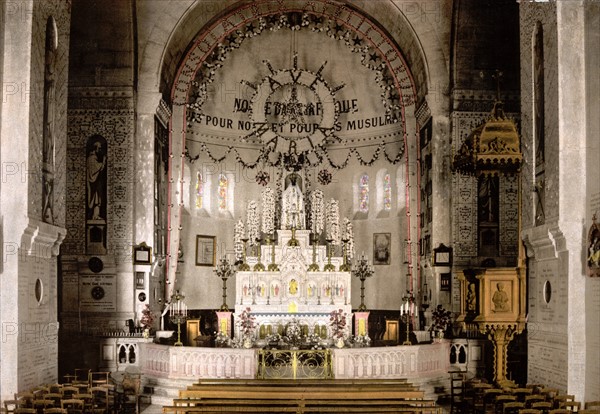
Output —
<point x="147" y="317"/>
<point x="361" y="341"/>
<point x="252" y="221"/>
<point x="337" y="322"/>
<point x="262" y="178"/>
<point x="268" y="210"/>
<point x="222" y="340"/>
<point x="247" y="323"/>
<point x="333" y="221"/>
<point x="440" y="318"/>
<point x="273" y="338"/>
<point x="324" y="177"/>
<point x="317" y="207"/>
<point x="348" y="234"/>
<point x="239" y="233"/>
<point x="293" y="333"/>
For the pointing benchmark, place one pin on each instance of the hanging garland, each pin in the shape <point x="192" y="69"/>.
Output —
<point x="294" y="20"/>
<point x="262" y="178"/>
<point x="306" y="163"/>
<point x="324" y="177"/>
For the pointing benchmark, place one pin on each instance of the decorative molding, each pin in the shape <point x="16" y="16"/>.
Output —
<point x="163" y="113"/>
<point x="41" y="239"/>
<point x="423" y="113"/>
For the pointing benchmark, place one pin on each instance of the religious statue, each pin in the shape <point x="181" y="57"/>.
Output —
<point x="293" y="213"/>
<point x="293" y="287"/>
<point x="500" y="299"/>
<point x="594" y="253"/>
<point x="96" y="164"/>
<point x="471" y="298"/>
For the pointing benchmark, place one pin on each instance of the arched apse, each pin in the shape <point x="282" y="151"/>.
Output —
<point x="399" y="42"/>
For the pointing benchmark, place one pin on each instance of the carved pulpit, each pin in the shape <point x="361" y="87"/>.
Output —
<point x="493" y="302"/>
<point x="493" y="298"/>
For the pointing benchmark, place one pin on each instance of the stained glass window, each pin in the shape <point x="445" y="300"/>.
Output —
<point x="387" y="192"/>
<point x="199" y="190"/>
<point x="363" y="193"/>
<point x="223" y="185"/>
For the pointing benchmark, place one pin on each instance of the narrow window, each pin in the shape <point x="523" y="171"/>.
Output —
<point x="363" y="193"/>
<point x="223" y="187"/>
<point x="199" y="190"/>
<point x="387" y="192"/>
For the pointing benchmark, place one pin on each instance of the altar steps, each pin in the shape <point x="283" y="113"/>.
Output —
<point x="303" y="397"/>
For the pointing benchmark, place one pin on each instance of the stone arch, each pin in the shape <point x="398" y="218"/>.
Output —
<point x="411" y="79"/>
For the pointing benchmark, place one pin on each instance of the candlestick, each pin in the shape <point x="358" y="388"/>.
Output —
<point x="329" y="267"/>
<point x="408" y="307"/>
<point x="314" y="267"/>
<point x="345" y="267"/>
<point x="224" y="270"/>
<point x="259" y="267"/>
<point x="178" y="314"/>
<point x="273" y="267"/>
<point x="244" y="267"/>
<point x="362" y="270"/>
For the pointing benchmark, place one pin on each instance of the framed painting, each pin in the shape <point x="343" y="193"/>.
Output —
<point x="382" y="245"/>
<point x="142" y="254"/>
<point x="206" y="250"/>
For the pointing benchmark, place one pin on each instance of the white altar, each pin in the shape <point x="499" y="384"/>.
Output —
<point x="293" y="292"/>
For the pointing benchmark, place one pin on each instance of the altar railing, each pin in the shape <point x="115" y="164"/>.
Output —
<point x="295" y="364"/>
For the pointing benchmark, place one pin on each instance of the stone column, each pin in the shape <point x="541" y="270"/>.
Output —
<point x="572" y="181"/>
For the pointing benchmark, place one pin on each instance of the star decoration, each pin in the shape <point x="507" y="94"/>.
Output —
<point x="357" y="41"/>
<point x="373" y="57"/>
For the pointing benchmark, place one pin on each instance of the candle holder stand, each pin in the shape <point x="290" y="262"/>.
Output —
<point x="329" y="267"/>
<point x="314" y="266"/>
<point x="259" y="267"/>
<point x="244" y="266"/>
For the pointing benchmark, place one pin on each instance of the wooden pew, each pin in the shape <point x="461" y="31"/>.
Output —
<point x="302" y="397"/>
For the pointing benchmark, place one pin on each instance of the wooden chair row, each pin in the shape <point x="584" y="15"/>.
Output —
<point x="98" y="400"/>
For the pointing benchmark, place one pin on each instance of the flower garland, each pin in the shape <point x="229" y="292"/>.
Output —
<point x="262" y="178"/>
<point x="268" y="210"/>
<point x="370" y="57"/>
<point x="324" y="177"/>
<point x="317" y="207"/>
<point x="348" y="229"/>
<point x="239" y="233"/>
<point x="337" y="322"/>
<point x="333" y="221"/>
<point x="252" y="222"/>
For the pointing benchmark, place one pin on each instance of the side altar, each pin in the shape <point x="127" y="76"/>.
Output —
<point x="293" y="292"/>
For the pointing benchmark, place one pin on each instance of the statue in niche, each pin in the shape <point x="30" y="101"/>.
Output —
<point x="48" y="122"/>
<point x="500" y="299"/>
<point x="293" y="287"/>
<point x="96" y="179"/>
<point x="471" y="298"/>
<point x="293" y="213"/>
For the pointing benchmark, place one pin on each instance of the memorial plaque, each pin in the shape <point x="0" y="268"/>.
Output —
<point x="97" y="293"/>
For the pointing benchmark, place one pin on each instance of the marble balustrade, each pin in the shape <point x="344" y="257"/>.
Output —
<point x="416" y="361"/>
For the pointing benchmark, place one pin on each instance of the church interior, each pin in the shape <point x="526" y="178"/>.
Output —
<point x="300" y="190"/>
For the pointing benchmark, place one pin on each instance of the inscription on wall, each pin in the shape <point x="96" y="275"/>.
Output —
<point x="97" y="293"/>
